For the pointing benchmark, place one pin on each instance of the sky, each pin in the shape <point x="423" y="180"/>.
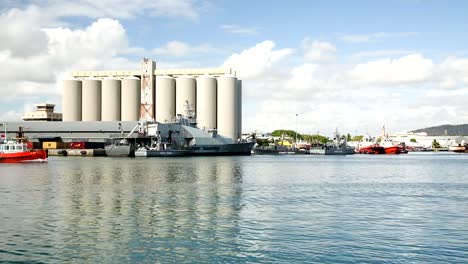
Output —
<point x="310" y="66"/>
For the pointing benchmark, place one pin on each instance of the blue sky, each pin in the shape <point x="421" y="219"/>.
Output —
<point x="355" y="65"/>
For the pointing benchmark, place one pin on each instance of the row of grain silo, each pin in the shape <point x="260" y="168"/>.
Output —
<point x="109" y="99"/>
<point x="217" y="102"/>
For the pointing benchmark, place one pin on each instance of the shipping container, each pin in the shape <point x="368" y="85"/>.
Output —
<point x="53" y="145"/>
<point x="77" y="145"/>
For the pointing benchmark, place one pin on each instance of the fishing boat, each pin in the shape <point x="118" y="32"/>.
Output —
<point x="14" y="152"/>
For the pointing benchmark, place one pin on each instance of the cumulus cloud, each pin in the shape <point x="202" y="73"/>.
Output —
<point x="181" y="49"/>
<point x="95" y="47"/>
<point x="121" y="8"/>
<point x="408" y="69"/>
<point x="359" y="38"/>
<point x="318" y="51"/>
<point x="453" y="72"/>
<point x="255" y="61"/>
<point x="21" y="28"/>
<point x="239" y="30"/>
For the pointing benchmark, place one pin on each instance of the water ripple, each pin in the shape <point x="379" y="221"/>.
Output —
<point x="368" y="209"/>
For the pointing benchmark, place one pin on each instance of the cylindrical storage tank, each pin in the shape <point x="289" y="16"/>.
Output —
<point x="239" y="109"/>
<point x="206" y="102"/>
<point x="185" y="91"/>
<point x="131" y="98"/>
<point x="110" y="107"/>
<point x="91" y="99"/>
<point x="71" y="100"/>
<point x="165" y="99"/>
<point x="228" y="112"/>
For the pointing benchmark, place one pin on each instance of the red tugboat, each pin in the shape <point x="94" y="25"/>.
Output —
<point x="392" y="147"/>
<point x="14" y="152"/>
<point x="368" y="146"/>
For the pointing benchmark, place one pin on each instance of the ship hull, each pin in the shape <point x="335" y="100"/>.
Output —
<point x="160" y="153"/>
<point x="236" y="149"/>
<point x="26" y="156"/>
<point x="114" y="150"/>
<point x="322" y="151"/>
<point x="371" y="150"/>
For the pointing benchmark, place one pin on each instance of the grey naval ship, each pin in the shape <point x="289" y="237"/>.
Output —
<point x="178" y="138"/>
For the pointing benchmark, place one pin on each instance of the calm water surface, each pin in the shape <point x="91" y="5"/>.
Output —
<point x="260" y="209"/>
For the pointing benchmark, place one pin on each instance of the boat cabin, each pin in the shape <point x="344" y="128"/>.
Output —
<point x="13" y="147"/>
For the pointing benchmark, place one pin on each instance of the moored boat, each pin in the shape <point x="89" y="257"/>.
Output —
<point x="339" y="146"/>
<point x="392" y="147"/>
<point x="14" y="152"/>
<point x="458" y="148"/>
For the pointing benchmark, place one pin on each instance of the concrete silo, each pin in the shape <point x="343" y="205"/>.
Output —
<point x="227" y="108"/>
<point x="111" y="93"/>
<point x="165" y="99"/>
<point x="239" y="108"/>
<point x="185" y="91"/>
<point x="131" y="96"/>
<point x="91" y="99"/>
<point x="206" y="102"/>
<point x="71" y="100"/>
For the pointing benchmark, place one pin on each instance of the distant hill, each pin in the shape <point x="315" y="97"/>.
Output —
<point x="452" y="130"/>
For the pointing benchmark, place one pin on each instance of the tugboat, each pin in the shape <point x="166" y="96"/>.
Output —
<point x="14" y="152"/>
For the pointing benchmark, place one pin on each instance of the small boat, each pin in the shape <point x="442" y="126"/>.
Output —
<point x="14" y="152"/>
<point x="273" y="150"/>
<point x="457" y="148"/>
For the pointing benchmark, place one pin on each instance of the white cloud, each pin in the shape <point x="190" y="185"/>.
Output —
<point x="255" y="61"/>
<point x="21" y="28"/>
<point x="95" y="47"/>
<point x="359" y="38"/>
<point x="181" y="49"/>
<point x="318" y="51"/>
<point x="381" y="53"/>
<point x="122" y="8"/>
<point x="239" y="30"/>
<point x="408" y="69"/>
<point x="453" y="72"/>
<point x="303" y="78"/>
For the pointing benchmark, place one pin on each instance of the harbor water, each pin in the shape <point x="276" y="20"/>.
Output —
<point x="261" y="209"/>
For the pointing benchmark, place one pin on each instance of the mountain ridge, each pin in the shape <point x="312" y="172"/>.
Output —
<point x="445" y="130"/>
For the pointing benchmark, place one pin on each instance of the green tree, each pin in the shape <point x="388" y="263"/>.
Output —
<point x="348" y="137"/>
<point x="316" y="139"/>
<point x="357" y="138"/>
<point x="435" y="144"/>
<point x="413" y="140"/>
<point x="286" y="133"/>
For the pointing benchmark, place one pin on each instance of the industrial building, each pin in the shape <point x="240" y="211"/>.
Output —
<point x="43" y="112"/>
<point x="150" y="94"/>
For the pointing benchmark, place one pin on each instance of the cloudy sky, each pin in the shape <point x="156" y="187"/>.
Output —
<point x="355" y="65"/>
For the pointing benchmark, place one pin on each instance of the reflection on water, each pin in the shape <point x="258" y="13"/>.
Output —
<point x="235" y="209"/>
<point x="128" y="209"/>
